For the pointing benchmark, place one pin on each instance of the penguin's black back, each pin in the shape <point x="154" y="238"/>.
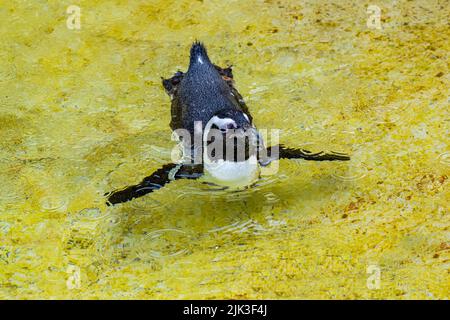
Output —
<point x="201" y="93"/>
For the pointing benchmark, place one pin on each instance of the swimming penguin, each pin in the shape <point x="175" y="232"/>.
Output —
<point x="219" y="141"/>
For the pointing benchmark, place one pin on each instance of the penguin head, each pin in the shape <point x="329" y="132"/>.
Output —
<point x="229" y="135"/>
<point x="230" y="120"/>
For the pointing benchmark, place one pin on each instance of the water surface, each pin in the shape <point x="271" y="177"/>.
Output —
<point x="83" y="112"/>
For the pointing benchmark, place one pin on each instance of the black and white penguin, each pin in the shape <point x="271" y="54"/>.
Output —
<point x="206" y="102"/>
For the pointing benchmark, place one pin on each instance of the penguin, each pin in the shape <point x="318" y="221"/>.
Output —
<point x="219" y="141"/>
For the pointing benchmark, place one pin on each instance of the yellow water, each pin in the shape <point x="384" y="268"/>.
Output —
<point x="83" y="112"/>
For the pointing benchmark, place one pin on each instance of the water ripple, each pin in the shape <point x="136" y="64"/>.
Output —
<point x="145" y="205"/>
<point x="53" y="204"/>
<point x="240" y="227"/>
<point x="93" y="214"/>
<point x="347" y="172"/>
<point x="163" y="243"/>
<point x="444" y="158"/>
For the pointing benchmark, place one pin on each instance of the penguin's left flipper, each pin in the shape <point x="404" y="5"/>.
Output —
<point x="155" y="181"/>
<point x="282" y="152"/>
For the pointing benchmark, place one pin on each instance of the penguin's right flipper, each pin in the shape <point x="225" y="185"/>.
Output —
<point x="282" y="152"/>
<point x="155" y="181"/>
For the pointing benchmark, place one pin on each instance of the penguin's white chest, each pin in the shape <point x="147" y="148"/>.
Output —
<point x="232" y="174"/>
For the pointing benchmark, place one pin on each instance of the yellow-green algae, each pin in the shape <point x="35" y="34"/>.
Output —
<point x="83" y="112"/>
